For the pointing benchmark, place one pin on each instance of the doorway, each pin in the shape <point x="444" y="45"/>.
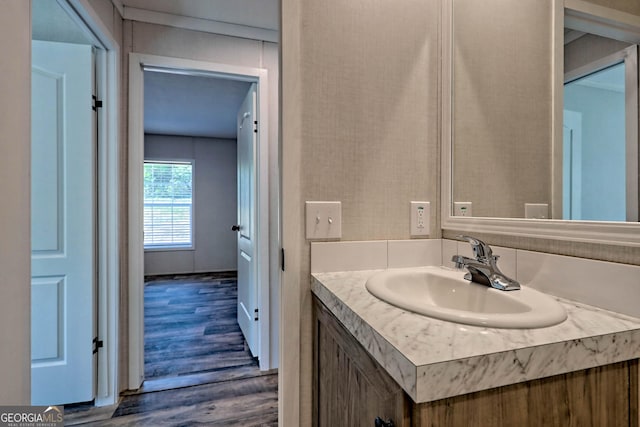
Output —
<point x="139" y="65"/>
<point x="190" y="204"/>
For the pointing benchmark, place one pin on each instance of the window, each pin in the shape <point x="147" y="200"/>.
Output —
<point x="168" y="204"/>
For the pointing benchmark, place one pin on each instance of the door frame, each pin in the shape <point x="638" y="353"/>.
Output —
<point x="138" y="63"/>
<point x="107" y="66"/>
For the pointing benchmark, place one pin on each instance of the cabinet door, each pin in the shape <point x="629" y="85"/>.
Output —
<point x="605" y="396"/>
<point x="350" y="388"/>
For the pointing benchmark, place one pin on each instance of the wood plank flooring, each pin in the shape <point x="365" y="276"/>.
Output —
<point x="190" y="326"/>
<point x="198" y="370"/>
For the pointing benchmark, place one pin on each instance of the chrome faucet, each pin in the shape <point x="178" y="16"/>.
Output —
<point x="484" y="269"/>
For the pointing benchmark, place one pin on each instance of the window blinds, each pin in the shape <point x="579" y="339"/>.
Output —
<point x="168" y="206"/>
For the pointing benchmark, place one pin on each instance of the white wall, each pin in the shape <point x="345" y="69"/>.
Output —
<point x="603" y="148"/>
<point x="214" y="202"/>
<point x="15" y="225"/>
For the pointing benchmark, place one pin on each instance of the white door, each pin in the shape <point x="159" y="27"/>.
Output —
<point x="246" y="227"/>
<point x="62" y="224"/>
<point x="572" y="165"/>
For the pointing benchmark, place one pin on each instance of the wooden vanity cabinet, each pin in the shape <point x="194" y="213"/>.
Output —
<point x="352" y="390"/>
<point x="590" y="398"/>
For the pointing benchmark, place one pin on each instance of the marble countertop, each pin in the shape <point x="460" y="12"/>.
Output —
<point x="432" y="359"/>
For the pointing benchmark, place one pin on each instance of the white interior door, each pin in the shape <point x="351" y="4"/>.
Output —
<point x="62" y="224"/>
<point x="246" y="227"/>
<point x="572" y="165"/>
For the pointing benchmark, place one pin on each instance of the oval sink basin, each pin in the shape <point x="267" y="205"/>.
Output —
<point x="445" y="294"/>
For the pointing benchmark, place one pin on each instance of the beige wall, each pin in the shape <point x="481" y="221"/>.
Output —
<point x="360" y="125"/>
<point x="628" y="6"/>
<point x="589" y="48"/>
<point x="501" y="105"/>
<point x="361" y="75"/>
<point x="293" y="285"/>
<point x="214" y="204"/>
<point x="343" y="142"/>
<point x="15" y="227"/>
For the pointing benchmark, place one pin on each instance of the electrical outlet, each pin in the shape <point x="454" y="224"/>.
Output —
<point x="420" y="218"/>
<point x="324" y="220"/>
<point x="462" y="209"/>
<point x="536" y="210"/>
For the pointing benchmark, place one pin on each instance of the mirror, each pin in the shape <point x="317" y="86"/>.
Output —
<point x="544" y="121"/>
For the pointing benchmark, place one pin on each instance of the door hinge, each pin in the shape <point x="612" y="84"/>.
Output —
<point x="256" y="314"/>
<point x="97" y="103"/>
<point x="255" y="126"/>
<point x="282" y="258"/>
<point x="97" y="344"/>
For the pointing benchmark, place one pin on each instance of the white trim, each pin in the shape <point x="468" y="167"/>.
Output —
<point x="91" y="22"/>
<point x="118" y="5"/>
<point x="632" y="133"/>
<point x="609" y="233"/>
<point x="112" y="212"/>
<point x="137" y="64"/>
<point x="446" y="111"/>
<point x="108" y="69"/>
<point x="199" y="24"/>
<point x="612" y="233"/>
<point x="136" y="221"/>
<point x="557" y="113"/>
<point x="585" y="16"/>
<point x="262" y="222"/>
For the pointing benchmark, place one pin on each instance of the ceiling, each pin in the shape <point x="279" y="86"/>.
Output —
<point x="50" y="22"/>
<point x="176" y="104"/>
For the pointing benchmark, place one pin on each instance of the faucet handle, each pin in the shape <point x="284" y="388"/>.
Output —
<point x="480" y="249"/>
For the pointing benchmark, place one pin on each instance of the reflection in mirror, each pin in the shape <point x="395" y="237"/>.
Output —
<point x="503" y="158"/>
<point x="501" y="115"/>
<point x="600" y="112"/>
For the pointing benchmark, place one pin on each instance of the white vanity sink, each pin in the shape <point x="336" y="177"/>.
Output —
<point x="445" y="294"/>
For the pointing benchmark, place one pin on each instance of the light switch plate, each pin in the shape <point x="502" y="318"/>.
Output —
<point x="323" y="220"/>
<point x="536" y="210"/>
<point x="420" y="218"/>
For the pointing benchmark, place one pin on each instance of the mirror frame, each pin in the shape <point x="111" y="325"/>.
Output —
<point x="609" y="22"/>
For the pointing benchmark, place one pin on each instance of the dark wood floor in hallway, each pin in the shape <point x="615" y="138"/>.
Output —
<point x="198" y="371"/>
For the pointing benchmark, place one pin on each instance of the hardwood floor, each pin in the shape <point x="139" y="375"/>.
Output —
<point x="198" y="370"/>
<point x="191" y="326"/>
